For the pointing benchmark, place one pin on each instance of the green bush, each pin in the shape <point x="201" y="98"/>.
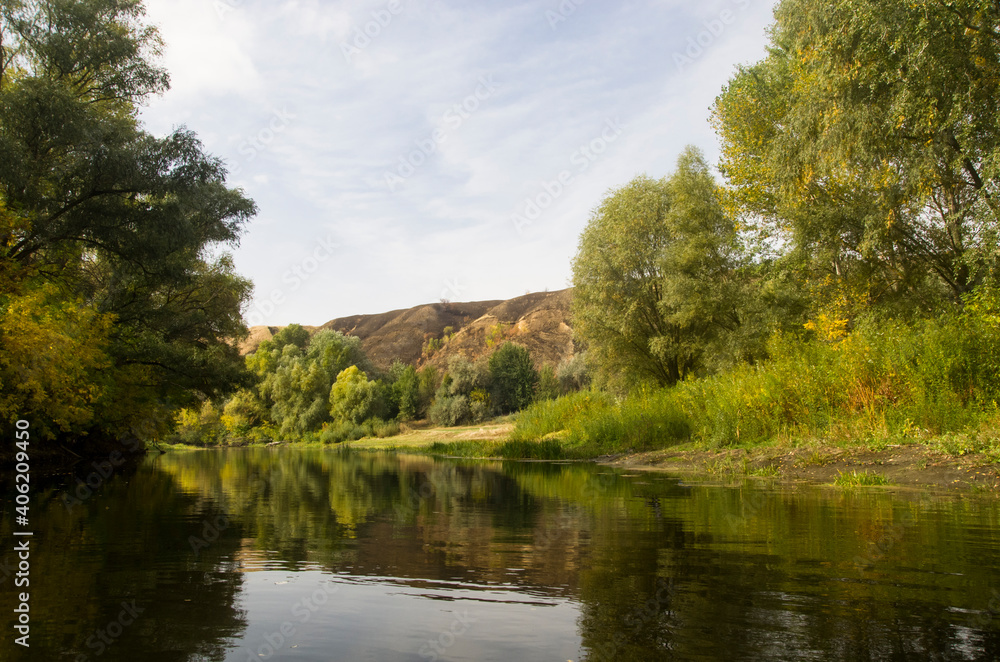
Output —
<point x="450" y="409"/>
<point x="334" y="433"/>
<point x="553" y="416"/>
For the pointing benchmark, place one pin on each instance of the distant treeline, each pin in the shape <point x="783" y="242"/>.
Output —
<point x="324" y="388"/>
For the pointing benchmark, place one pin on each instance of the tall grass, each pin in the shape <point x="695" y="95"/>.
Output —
<point x="885" y="380"/>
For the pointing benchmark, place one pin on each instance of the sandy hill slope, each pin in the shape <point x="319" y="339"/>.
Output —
<point x="540" y="321"/>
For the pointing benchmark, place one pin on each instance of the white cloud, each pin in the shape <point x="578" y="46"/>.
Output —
<point x="208" y="52"/>
<point x="322" y="172"/>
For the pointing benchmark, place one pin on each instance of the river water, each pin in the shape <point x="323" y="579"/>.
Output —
<point x="318" y="555"/>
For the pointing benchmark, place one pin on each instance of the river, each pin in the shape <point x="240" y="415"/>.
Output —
<point x="323" y="555"/>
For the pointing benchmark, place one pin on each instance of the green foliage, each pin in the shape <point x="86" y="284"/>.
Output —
<point x="201" y="426"/>
<point x="431" y="346"/>
<point x="354" y="399"/>
<point x="51" y="355"/>
<point x="868" y="143"/>
<point x="513" y="450"/>
<point x="406" y="391"/>
<point x="860" y="478"/>
<point x="335" y="433"/>
<point x="512" y="378"/>
<point x="573" y="373"/>
<point x="480" y="405"/>
<point x="496" y="334"/>
<point x="299" y="386"/>
<point x="293" y="334"/>
<point x="548" y="386"/>
<point x="427" y="385"/>
<point x="112" y="224"/>
<point x="886" y="380"/>
<point x="450" y="409"/>
<point x="657" y="278"/>
<point x="548" y="417"/>
<point x="245" y="410"/>
<point x="463" y="395"/>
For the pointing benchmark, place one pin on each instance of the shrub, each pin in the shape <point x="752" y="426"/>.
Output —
<point x="450" y="409"/>
<point x="480" y="405"/>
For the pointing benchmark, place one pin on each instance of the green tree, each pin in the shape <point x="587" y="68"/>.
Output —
<point x="354" y="399"/>
<point x="868" y="143"/>
<point x="659" y="277"/>
<point x="301" y="381"/>
<point x="406" y="390"/>
<point x="512" y="378"/>
<point x="113" y="221"/>
<point x="548" y="384"/>
<point x="427" y="385"/>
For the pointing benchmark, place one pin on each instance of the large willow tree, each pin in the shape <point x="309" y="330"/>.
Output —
<point x="867" y="142"/>
<point x="660" y="284"/>
<point x="113" y="311"/>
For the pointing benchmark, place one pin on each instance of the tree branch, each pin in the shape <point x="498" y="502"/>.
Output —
<point x="975" y="28"/>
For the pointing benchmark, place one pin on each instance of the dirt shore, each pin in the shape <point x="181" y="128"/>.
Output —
<point x="911" y="465"/>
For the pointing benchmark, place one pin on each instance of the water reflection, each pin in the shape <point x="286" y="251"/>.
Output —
<point x="320" y="555"/>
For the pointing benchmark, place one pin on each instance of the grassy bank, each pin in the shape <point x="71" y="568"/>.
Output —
<point x="886" y="384"/>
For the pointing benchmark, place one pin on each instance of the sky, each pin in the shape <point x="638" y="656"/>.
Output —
<point x="402" y="152"/>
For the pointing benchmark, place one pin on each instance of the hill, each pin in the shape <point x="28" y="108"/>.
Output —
<point x="539" y="321"/>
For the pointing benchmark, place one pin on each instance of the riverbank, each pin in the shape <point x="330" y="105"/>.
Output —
<point x="939" y="464"/>
<point x="910" y="465"/>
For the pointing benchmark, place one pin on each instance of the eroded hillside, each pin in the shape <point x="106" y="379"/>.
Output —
<point x="433" y="332"/>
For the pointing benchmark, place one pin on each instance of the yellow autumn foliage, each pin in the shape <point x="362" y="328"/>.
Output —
<point x="50" y="348"/>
